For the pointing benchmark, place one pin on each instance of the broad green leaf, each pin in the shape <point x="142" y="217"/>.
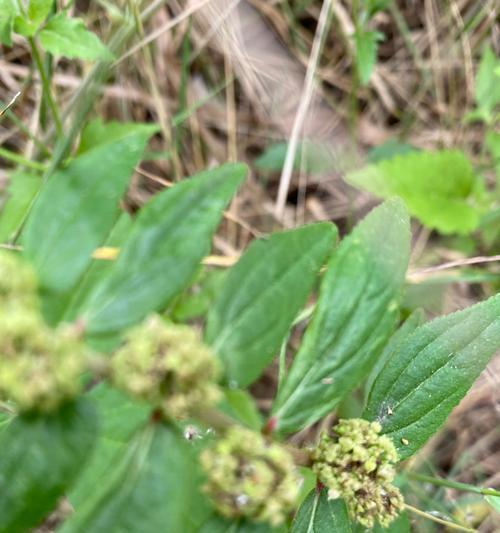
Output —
<point x="318" y="514"/>
<point x="166" y="244"/>
<point x="40" y="458"/>
<point x="22" y="189"/>
<point x="438" y="187"/>
<point x="150" y="490"/>
<point x="119" y="417"/>
<point x="366" y="53"/>
<point x="262" y="295"/>
<point x="76" y="209"/>
<point x="69" y="37"/>
<point x="239" y="405"/>
<point x="408" y="327"/>
<point x="356" y="312"/>
<point x="431" y="371"/>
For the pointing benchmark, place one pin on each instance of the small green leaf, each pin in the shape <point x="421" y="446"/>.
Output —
<point x="487" y="90"/>
<point x="69" y="37"/>
<point x="318" y="514"/>
<point x="119" y="417"/>
<point x="355" y="314"/>
<point x="76" y="209"/>
<point x="152" y="488"/>
<point x="41" y="457"/>
<point x="438" y="187"/>
<point x="400" y="525"/>
<point x="21" y="191"/>
<point x="239" y="405"/>
<point x="37" y="12"/>
<point x="262" y="295"/>
<point x="8" y="10"/>
<point x="171" y="235"/>
<point x="431" y="371"/>
<point x="366" y="53"/>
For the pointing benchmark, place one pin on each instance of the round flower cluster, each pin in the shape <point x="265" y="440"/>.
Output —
<point x="357" y="464"/>
<point x="249" y="477"/>
<point x="39" y="367"/>
<point x="168" y="366"/>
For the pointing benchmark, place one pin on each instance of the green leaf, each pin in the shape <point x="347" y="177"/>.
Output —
<point x="68" y="37"/>
<point x="438" y="187"/>
<point x="37" y="12"/>
<point x="416" y="319"/>
<point x="8" y="10"/>
<point x="431" y="371"/>
<point x="494" y="501"/>
<point x="239" y="405"/>
<point x="388" y="150"/>
<point x="487" y="89"/>
<point x="41" y="456"/>
<point x="356" y="312"/>
<point x="318" y="514"/>
<point x="262" y="295"/>
<point x="22" y="189"/>
<point x="400" y="525"/>
<point x="76" y="209"/>
<point x="152" y="488"/>
<point x="311" y="157"/>
<point x="366" y="53"/>
<point x="217" y="524"/>
<point x="167" y="242"/>
<point x="120" y="417"/>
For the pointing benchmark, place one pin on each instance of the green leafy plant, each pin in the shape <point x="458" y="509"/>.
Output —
<point x="146" y="425"/>
<point x="127" y="365"/>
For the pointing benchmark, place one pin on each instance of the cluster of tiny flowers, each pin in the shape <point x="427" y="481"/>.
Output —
<point x="168" y="366"/>
<point x="357" y="464"/>
<point x="39" y="367"/>
<point x="250" y="477"/>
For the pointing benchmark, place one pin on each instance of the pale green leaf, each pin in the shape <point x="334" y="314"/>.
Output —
<point x="68" y="37"/>
<point x="240" y="405"/>
<point x="354" y="316"/>
<point x="438" y="187"/>
<point x="431" y="371"/>
<point x="365" y="43"/>
<point x="262" y="295"/>
<point x="487" y="89"/>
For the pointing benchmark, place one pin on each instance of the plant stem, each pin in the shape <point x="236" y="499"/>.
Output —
<point x="450" y="525"/>
<point x="453" y="484"/>
<point x="20" y="160"/>
<point x="47" y="93"/>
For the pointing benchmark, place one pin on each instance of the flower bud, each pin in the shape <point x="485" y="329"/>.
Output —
<point x="250" y="477"/>
<point x="357" y="464"/>
<point x="168" y="366"/>
<point x="39" y="367"/>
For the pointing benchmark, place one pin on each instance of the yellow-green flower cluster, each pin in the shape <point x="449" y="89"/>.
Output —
<point x="17" y="282"/>
<point x="357" y="464"/>
<point x="250" y="477"/>
<point x="168" y="366"/>
<point x="39" y="367"/>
